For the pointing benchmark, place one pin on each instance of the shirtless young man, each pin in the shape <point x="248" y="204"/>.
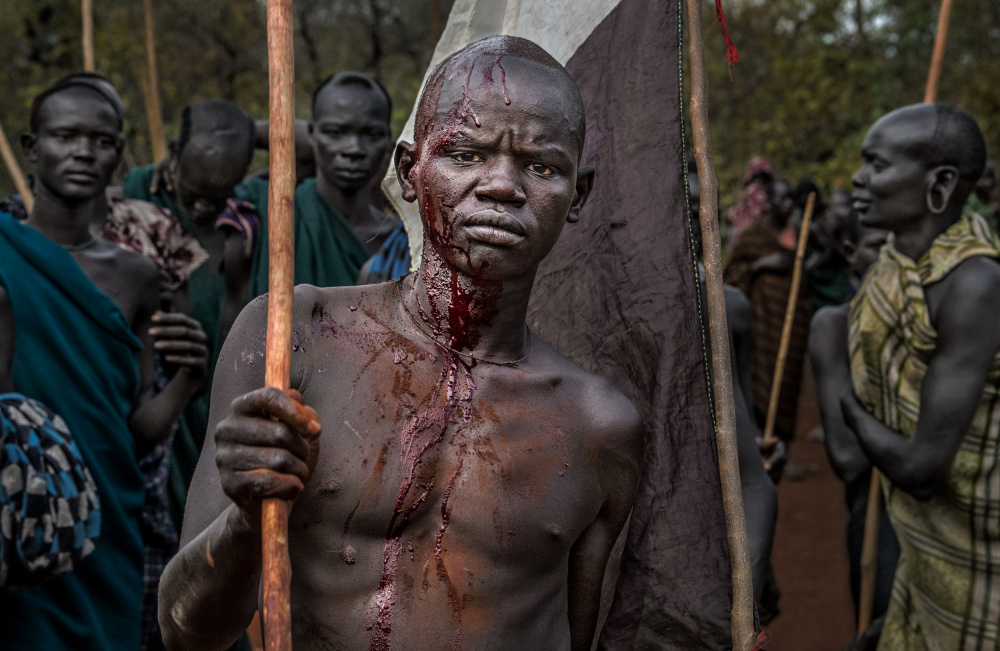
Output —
<point x="81" y="317"/>
<point x="925" y="369"/>
<point x="469" y="481"/>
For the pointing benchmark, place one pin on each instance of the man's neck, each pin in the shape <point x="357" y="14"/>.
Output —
<point x="353" y="206"/>
<point x="478" y="317"/>
<point x="64" y="222"/>
<point x="914" y="242"/>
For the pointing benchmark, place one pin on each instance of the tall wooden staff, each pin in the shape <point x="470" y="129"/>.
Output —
<point x="281" y="69"/>
<point x="16" y="175"/>
<point x="87" y="13"/>
<point x="786" y="328"/>
<point x="869" y="545"/>
<point x="940" y="39"/>
<point x="743" y="630"/>
<point x="152" y="89"/>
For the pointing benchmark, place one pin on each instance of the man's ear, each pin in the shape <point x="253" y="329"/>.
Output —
<point x="406" y="161"/>
<point x="941" y="184"/>
<point x="28" y="144"/>
<point x="584" y="184"/>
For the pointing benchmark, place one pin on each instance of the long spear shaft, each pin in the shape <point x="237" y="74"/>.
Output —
<point x="16" y="175"/>
<point x="152" y="89"/>
<point x="87" y="15"/>
<point x="725" y="410"/>
<point x="281" y="69"/>
<point x="940" y="40"/>
<point x="786" y="327"/>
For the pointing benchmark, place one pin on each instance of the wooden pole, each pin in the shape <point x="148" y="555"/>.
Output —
<point x="87" y="11"/>
<point x="152" y="89"/>
<point x="869" y="554"/>
<point x="786" y="328"/>
<point x="940" y="40"/>
<point x="16" y="175"/>
<point x="281" y="68"/>
<point x="743" y="629"/>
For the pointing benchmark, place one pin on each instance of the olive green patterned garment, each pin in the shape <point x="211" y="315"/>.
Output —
<point x="946" y="594"/>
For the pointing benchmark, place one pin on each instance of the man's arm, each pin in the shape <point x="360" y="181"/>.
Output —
<point x="968" y="340"/>
<point x="829" y="355"/>
<point x="262" y="443"/>
<point x="760" y="498"/>
<point x="181" y="343"/>
<point x="624" y="435"/>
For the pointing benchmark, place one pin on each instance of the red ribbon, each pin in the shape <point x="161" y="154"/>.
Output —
<point x="731" y="54"/>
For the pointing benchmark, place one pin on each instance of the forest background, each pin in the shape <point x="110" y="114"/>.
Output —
<point x="813" y="75"/>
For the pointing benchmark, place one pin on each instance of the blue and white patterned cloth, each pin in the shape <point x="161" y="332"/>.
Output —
<point x="49" y="509"/>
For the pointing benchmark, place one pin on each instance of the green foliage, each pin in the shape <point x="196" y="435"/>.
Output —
<point x="208" y="48"/>
<point x="815" y="74"/>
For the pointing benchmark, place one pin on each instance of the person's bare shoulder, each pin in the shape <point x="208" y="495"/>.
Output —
<point x="602" y="411"/>
<point x="828" y="331"/>
<point x="137" y="269"/>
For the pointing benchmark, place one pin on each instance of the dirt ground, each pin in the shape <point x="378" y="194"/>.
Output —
<point x="810" y="548"/>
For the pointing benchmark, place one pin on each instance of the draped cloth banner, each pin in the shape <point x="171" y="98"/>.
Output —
<point x="618" y="295"/>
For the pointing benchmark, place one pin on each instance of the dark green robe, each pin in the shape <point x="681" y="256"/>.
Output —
<point x="76" y="353"/>
<point x="327" y="252"/>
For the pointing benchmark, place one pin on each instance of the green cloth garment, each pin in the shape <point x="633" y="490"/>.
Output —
<point x="206" y="288"/>
<point x="946" y="592"/>
<point x="327" y="252"/>
<point x="75" y="352"/>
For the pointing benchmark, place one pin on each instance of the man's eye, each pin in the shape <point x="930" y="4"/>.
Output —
<point x="467" y="157"/>
<point x="542" y="170"/>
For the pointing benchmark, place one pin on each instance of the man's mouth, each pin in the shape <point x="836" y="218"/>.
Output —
<point x="352" y="173"/>
<point x="860" y="202"/>
<point x="78" y="176"/>
<point x="496" y="228"/>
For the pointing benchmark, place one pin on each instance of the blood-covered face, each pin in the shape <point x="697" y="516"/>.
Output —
<point x="496" y="171"/>
<point x="78" y="144"/>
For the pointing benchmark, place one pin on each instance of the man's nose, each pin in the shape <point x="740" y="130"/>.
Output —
<point x="501" y="182"/>
<point x="352" y="146"/>
<point x="858" y="180"/>
<point x="83" y="148"/>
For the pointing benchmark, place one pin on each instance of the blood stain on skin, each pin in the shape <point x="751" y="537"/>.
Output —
<point x="345" y="555"/>
<point x="562" y="442"/>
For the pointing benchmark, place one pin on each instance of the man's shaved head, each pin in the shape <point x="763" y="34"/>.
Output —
<point x="220" y="122"/>
<point x="91" y="82"/>
<point x="943" y="134"/>
<point x="484" y="65"/>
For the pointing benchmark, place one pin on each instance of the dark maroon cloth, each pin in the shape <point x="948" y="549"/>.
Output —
<point x="618" y="295"/>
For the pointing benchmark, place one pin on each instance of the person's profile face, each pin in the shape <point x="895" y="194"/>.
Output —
<point x="497" y="172"/>
<point x="890" y="188"/>
<point x="350" y="133"/>
<point x="78" y="144"/>
<point x="208" y="171"/>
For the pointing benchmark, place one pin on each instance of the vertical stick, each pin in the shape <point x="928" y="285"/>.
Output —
<point x="16" y="175"/>
<point x="743" y="630"/>
<point x="940" y="39"/>
<point x="786" y="328"/>
<point x="152" y="89"/>
<point x="437" y="23"/>
<point x="87" y="11"/>
<point x="281" y="68"/>
<point x="869" y="554"/>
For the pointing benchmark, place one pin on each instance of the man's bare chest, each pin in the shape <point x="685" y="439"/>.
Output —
<point x="418" y="452"/>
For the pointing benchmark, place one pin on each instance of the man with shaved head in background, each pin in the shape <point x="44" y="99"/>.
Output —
<point x="337" y="228"/>
<point x="469" y="481"/>
<point x="925" y="368"/>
